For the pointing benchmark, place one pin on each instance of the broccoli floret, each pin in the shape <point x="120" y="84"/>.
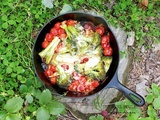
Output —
<point x="79" y="67"/>
<point x="74" y="31"/>
<point x="63" y="78"/>
<point x="107" y="60"/>
<point x="48" y="52"/>
<point x="96" y="39"/>
<point x="97" y="72"/>
<point x="70" y="30"/>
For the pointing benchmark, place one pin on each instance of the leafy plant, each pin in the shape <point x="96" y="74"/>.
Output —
<point x="134" y="113"/>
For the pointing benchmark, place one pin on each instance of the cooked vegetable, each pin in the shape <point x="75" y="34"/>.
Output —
<point x="107" y="60"/>
<point x="78" y="57"/>
<point x="48" y="52"/>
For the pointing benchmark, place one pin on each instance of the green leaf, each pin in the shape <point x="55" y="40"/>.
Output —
<point x="42" y="114"/>
<point x="156" y="103"/>
<point x="14" y="105"/>
<point x="29" y="98"/>
<point x="23" y="89"/>
<point x="8" y="70"/>
<point x="151" y="111"/>
<point x="11" y="22"/>
<point x="149" y="98"/>
<point x="155" y="90"/>
<point x="4" y="17"/>
<point x="66" y="8"/>
<point x="47" y="3"/>
<point x="132" y="116"/>
<point x="100" y="117"/>
<point x="92" y="118"/>
<point x="55" y="107"/>
<point x="45" y="97"/>
<point x="5" y="25"/>
<point x="120" y="106"/>
<point x="2" y="115"/>
<point x="12" y="117"/>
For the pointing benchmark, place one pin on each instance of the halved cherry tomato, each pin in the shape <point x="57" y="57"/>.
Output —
<point x="105" y="39"/>
<point x="61" y="31"/>
<point x="45" y="44"/>
<point x="53" y="79"/>
<point x="100" y="29"/>
<point x="108" y="51"/>
<point x="54" y="31"/>
<point x="85" y="60"/>
<point x="48" y="73"/>
<point x="49" y="37"/>
<point x="57" y="25"/>
<point x="70" y="22"/>
<point x="65" y="66"/>
<point x="52" y="68"/>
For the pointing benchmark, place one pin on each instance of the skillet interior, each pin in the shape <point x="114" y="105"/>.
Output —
<point x="79" y="17"/>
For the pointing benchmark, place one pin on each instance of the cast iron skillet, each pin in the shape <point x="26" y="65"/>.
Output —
<point x="111" y="80"/>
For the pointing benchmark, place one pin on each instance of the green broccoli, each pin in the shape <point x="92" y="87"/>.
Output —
<point x="63" y="78"/>
<point x="70" y="30"/>
<point x="79" y="67"/>
<point x="48" y="52"/>
<point x="96" y="39"/>
<point x="97" y="72"/>
<point x="107" y="60"/>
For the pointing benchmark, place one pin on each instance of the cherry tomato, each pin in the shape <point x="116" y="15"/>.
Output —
<point x="54" y="31"/>
<point x="57" y="25"/>
<point x="52" y="68"/>
<point x="100" y="29"/>
<point x="87" y="26"/>
<point x="105" y="45"/>
<point x="65" y="66"/>
<point x="53" y="79"/>
<point x="62" y="36"/>
<point x="82" y="79"/>
<point x="49" y="37"/>
<point x="85" y="60"/>
<point x="105" y="39"/>
<point x="70" y="22"/>
<point x="95" y="83"/>
<point x="45" y="44"/>
<point x="108" y="51"/>
<point x="48" y="73"/>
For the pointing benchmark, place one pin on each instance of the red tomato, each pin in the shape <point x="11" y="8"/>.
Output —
<point x="65" y="66"/>
<point x="85" y="60"/>
<point x="105" y="45"/>
<point x="82" y="79"/>
<point x="70" y="22"/>
<point x="45" y="44"/>
<point x="105" y="39"/>
<point x="54" y="31"/>
<point x="62" y="36"/>
<point x="108" y="51"/>
<point x="49" y="37"/>
<point x="48" y="73"/>
<point x="57" y="25"/>
<point x="61" y="31"/>
<point x="100" y="29"/>
<point x="53" y="79"/>
<point x="52" y="68"/>
<point x="95" y="83"/>
<point x="87" y="26"/>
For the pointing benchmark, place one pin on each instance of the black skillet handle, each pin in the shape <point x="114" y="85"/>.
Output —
<point x="132" y="96"/>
